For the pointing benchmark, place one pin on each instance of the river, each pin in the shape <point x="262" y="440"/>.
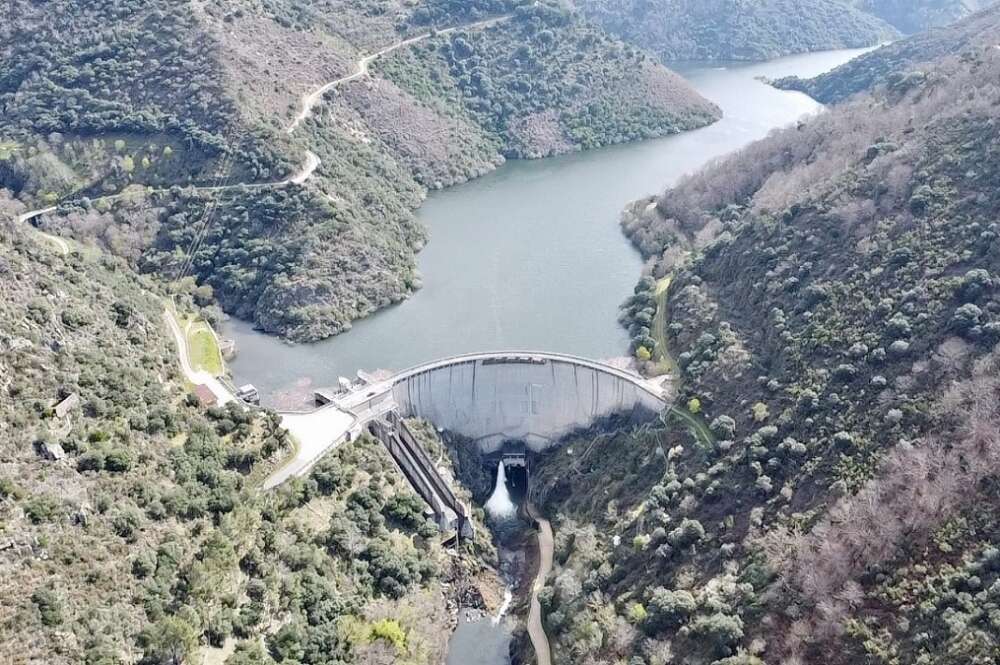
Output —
<point x="531" y="257"/>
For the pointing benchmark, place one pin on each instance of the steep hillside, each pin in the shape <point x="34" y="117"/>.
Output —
<point x="734" y="29"/>
<point x="86" y="118"/>
<point x="149" y="541"/>
<point x="834" y="312"/>
<point x="901" y="64"/>
<point x="912" y="16"/>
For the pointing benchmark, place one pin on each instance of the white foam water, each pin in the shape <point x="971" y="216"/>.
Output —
<point x="508" y="596"/>
<point x="499" y="506"/>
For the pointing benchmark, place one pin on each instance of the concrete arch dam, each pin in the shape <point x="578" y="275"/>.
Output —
<point x="536" y="398"/>
<point x="490" y="398"/>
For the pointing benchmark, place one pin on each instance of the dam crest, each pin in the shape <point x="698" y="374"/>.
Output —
<point x="488" y="398"/>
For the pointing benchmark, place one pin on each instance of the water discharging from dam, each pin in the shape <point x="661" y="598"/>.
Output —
<point x="499" y="506"/>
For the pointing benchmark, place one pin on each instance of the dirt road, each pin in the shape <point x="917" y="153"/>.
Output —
<point x="310" y="101"/>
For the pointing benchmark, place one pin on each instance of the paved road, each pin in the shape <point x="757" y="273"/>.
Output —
<point x="536" y="631"/>
<point x="310" y="101"/>
<point x="197" y="377"/>
<point x="316" y="434"/>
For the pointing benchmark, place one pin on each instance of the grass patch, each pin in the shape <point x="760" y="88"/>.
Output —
<point x="203" y="349"/>
<point x="695" y="424"/>
<point x="663" y="362"/>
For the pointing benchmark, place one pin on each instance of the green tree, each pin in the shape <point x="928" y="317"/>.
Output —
<point x="49" y="606"/>
<point x="249" y="653"/>
<point x="169" y="641"/>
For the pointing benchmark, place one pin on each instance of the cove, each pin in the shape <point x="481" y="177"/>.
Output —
<point x="531" y="257"/>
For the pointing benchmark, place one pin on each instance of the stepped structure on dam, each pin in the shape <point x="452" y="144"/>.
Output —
<point x="488" y="398"/>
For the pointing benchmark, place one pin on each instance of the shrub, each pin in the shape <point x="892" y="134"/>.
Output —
<point x="390" y="631"/>
<point x="721" y="630"/>
<point x="723" y="427"/>
<point x="637" y="614"/>
<point x="49" y="606"/>
<point x="668" y="609"/>
<point x="42" y="508"/>
<point x="688" y="533"/>
<point x="169" y="641"/>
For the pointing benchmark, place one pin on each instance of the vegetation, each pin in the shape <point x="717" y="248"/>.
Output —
<point x="736" y="30"/>
<point x="544" y="82"/>
<point x="833" y="310"/>
<point x="203" y="348"/>
<point x="913" y="16"/>
<point x="178" y="166"/>
<point x="901" y="65"/>
<point x="151" y="541"/>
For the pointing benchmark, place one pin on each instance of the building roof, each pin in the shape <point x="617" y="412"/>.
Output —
<point x="205" y="395"/>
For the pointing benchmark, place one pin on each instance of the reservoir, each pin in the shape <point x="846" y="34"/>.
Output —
<point x="531" y="257"/>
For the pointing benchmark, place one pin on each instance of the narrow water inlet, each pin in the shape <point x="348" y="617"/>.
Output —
<point x="499" y="506"/>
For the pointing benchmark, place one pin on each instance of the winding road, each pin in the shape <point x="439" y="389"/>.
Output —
<point x="536" y="631"/>
<point x="299" y="178"/>
<point x="310" y="100"/>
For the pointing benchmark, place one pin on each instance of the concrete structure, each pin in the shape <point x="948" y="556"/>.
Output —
<point x="423" y="476"/>
<point x="536" y="398"/>
<point x="489" y="397"/>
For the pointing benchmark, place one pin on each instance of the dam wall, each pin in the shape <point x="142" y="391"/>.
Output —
<point x="532" y="397"/>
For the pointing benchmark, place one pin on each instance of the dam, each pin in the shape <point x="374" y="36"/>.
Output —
<point x="488" y="398"/>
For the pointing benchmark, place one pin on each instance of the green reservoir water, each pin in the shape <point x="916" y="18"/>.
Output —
<point x="531" y="257"/>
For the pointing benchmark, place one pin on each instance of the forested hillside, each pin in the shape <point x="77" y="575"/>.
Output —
<point x="150" y="541"/>
<point x="834" y="314"/>
<point x="736" y="29"/>
<point x="110" y="97"/>
<point x="912" y="16"/>
<point x="901" y="65"/>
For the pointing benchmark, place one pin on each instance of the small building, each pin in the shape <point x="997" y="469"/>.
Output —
<point x="67" y="405"/>
<point x="205" y="396"/>
<point x="248" y="394"/>
<point x="51" y="451"/>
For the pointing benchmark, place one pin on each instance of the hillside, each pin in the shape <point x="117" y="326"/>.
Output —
<point x="734" y="29"/>
<point x="85" y="119"/>
<point x="911" y="16"/>
<point x="834" y="312"/>
<point x="150" y="540"/>
<point x="901" y="64"/>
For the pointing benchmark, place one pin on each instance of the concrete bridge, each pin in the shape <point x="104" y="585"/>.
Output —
<point x="534" y="397"/>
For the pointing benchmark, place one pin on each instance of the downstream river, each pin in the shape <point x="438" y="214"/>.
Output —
<point x="531" y="257"/>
